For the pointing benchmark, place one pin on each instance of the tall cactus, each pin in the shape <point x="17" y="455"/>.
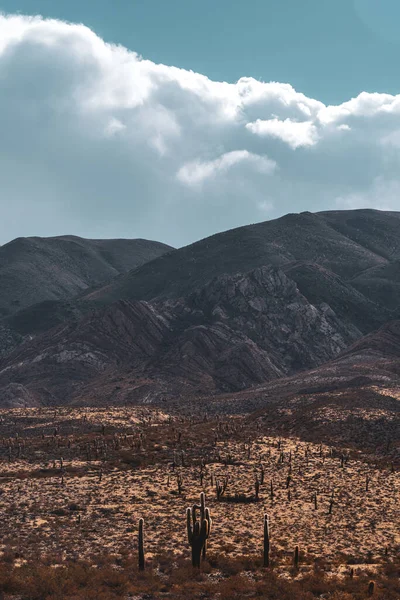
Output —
<point x="371" y="588"/>
<point x="141" y="547"/>
<point x="296" y="558"/>
<point x="220" y="488"/>
<point x="198" y="530"/>
<point x="266" y="541"/>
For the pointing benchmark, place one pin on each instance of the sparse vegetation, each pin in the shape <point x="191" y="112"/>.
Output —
<point x="79" y="484"/>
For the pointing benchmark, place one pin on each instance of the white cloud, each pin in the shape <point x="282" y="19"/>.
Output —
<point x="196" y="172"/>
<point x="113" y="127"/>
<point x="97" y="141"/>
<point x="294" y="133"/>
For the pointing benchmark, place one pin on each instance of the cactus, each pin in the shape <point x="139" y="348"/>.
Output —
<point x="198" y="530"/>
<point x="141" y="548"/>
<point x="179" y="482"/>
<point x="266" y="541"/>
<point x="296" y="558"/>
<point x="220" y="488"/>
<point x="262" y="474"/>
<point x="257" y="488"/>
<point x="371" y="588"/>
<point x="331" y="503"/>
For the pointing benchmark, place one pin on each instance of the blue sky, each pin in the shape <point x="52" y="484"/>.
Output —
<point x="328" y="49"/>
<point x="238" y="112"/>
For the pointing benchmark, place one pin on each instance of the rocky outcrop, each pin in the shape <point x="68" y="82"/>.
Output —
<point x="252" y="328"/>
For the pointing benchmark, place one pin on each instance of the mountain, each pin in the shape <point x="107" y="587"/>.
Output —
<point x="271" y="309"/>
<point x="338" y="258"/>
<point x="331" y="256"/>
<point x="37" y="269"/>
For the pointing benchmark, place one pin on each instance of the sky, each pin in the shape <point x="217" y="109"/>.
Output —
<point x="175" y="120"/>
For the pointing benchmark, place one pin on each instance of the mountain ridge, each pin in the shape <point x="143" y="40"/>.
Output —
<point x="35" y="269"/>
<point x="291" y="238"/>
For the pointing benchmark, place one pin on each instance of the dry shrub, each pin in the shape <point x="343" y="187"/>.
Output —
<point x="238" y="586"/>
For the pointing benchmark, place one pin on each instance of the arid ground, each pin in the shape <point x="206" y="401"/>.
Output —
<point x="74" y="483"/>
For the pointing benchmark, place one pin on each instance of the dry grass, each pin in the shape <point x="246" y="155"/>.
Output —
<point x="122" y="464"/>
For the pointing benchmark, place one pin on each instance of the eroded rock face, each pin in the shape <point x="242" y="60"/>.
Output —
<point x="255" y="327"/>
<point x="235" y="332"/>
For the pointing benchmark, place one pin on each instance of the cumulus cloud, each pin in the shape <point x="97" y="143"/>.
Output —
<point x="294" y="133"/>
<point x="98" y="141"/>
<point x="196" y="172"/>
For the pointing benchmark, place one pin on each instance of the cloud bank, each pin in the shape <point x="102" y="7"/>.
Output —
<point x="99" y="142"/>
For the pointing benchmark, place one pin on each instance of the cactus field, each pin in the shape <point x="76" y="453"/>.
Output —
<point x="252" y="506"/>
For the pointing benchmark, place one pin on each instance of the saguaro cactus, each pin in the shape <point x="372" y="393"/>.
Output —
<point x="141" y="547"/>
<point x="179" y="482"/>
<point x="371" y="588"/>
<point x="198" y="530"/>
<point x="257" y="488"/>
<point x="296" y="557"/>
<point x="266" y="541"/>
<point x="220" y="488"/>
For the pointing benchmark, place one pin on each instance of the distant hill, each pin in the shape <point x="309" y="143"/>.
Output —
<point x="35" y="269"/>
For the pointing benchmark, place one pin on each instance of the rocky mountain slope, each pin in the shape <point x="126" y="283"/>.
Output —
<point x="278" y="305"/>
<point x="234" y="332"/>
<point x="37" y="269"/>
<point x="367" y="371"/>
